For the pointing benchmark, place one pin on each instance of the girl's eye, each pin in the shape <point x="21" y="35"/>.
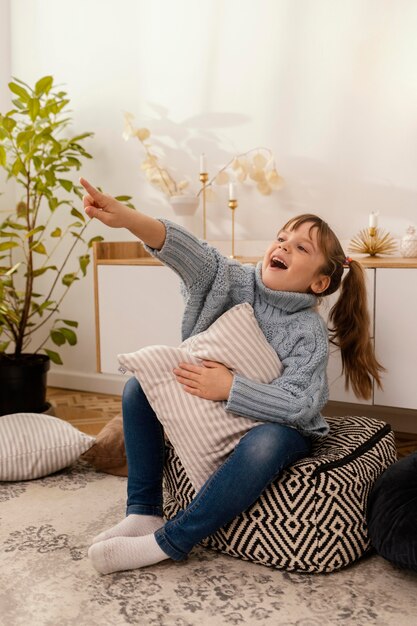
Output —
<point x="280" y="239"/>
<point x="302" y="248"/>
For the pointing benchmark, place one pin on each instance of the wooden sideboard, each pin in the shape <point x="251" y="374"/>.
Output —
<point x="138" y="302"/>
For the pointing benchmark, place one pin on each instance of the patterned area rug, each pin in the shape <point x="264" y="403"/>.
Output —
<point x="47" y="580"/>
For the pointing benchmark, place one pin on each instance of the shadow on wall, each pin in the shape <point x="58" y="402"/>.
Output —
<point x="311" y="185"/>
<point x="180" y="144"/>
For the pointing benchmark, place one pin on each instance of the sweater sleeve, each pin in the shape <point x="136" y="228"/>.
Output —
<point x="192" y="259"/>
<point x="297" y="397"/>
<point x="211" y="283"/>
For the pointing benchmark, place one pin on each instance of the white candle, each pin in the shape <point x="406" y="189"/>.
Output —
<point x="232" y="191"/>
<point x="373" y="220"/>
<point x="203" y="164"/>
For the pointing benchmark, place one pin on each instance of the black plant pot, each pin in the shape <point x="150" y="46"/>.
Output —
<point x="23" y="383"/>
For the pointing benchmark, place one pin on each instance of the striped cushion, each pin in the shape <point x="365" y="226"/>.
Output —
<point x="202" y="432"/>
<point x="34" y="445"/>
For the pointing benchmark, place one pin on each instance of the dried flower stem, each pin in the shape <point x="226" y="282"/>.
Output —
<point x="237" y="156"/>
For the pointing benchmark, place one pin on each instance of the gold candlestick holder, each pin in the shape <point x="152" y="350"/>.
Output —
<point x="203" y="179"/>
<point x="233" y="207"/>
<point x="373" y="241"/>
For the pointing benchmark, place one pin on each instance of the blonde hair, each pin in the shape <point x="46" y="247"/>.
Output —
<point x="349" y="317"/>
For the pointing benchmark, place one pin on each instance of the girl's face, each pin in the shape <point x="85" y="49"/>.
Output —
<point x="293" y="262"/>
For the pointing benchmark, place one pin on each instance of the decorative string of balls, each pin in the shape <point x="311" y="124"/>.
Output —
<point x="373" y="240"/>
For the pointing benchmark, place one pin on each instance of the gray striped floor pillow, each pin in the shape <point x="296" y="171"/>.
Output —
<point x="202" y="432"/>
<point x="34" y="445"/>
<point x="312" y="518"/>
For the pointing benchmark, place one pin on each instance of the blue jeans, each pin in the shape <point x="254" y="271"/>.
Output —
<point x="257" y="459"/>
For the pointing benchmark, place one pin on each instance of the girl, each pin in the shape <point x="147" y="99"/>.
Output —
<point x="303" y="263"/>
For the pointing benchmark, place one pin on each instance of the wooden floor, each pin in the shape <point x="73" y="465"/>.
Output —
<point x="89" y="412"/>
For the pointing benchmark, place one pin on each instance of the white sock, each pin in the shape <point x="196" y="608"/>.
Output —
<point x="123" y="553"/>
<point x="132" y="526"/>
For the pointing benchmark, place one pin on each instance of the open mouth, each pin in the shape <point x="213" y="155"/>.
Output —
<point x="278" y="263"/>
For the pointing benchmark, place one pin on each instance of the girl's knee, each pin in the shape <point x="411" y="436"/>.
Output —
<point x="269" y="442"/>
<point x="131" y="390"/>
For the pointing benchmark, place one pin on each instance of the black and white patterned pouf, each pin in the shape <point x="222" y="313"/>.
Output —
<point x="313" y="517"/>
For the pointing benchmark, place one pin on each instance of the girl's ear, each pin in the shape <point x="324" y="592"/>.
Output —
<point x="320" y="284"/>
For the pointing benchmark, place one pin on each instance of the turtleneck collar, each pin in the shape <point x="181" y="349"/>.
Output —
<point x="289" y="301"/>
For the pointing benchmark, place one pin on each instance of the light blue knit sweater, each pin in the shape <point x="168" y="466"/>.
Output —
<point x="212" y="284"/>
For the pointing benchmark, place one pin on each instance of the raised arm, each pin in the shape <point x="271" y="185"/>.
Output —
<point x="115" y="214"/>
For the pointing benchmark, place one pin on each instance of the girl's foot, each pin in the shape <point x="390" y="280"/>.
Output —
<point x="124" y="553"/>
<point x="132" y="526"/>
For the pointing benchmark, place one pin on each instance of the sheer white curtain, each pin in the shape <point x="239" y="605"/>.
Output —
<point x="329" y="85"/>
<point x="7" y="192"/>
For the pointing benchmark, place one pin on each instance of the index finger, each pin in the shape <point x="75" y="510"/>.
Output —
<point x="94" y="193"/>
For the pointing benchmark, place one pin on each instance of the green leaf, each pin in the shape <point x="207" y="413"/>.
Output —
<point x="21" y="82"/>
<point x="17" y="103"/>
<point x="53" y="203"/>
<point x="19" y="91"/>
<point x="60" y="105"/>
<point x="42" y="270"/>
<point x="84" y="262"/>
<point x="16" y="225"/>
<point x="66" y="184"/>
<point x="76" y="235"/>
<point x="44" y="85"/>
<point x="57" y="337"/>
<point x="50" y="179"/>
<point x="8" y="123"/>
<point x="54" y="356"/>
<point x="32" y="232"/>
<point x="24" y="137"/>
<point x="45" y="305"/>
<point x="8" y="244"/>
<point x="97" y="238"/>
<point x="72" y="162"/>
<point x="123" y="198"/>
<point x="17" y="167"/>
<point x="37" y="162"/>
<point x="68" y="279"/>
<point x="33" y="108"/>
<point x="56" y="233"/>
<point x="5" y="233"/>
<point x="77" y="213"/>
<point x="70" y="323"/>
<point x="39" y="248"/>
<point x="3" y="158"/>
<point x="69" y="335"/>
<point x="79" y="137"/>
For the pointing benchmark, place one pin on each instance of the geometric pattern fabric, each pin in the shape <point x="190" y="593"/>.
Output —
<point x="312" y="518"/>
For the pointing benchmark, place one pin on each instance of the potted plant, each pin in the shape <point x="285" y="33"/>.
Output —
<point x="38" y="240"/>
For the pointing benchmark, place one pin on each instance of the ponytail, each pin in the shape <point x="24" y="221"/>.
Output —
<point x="349" y="317"/>
<point x="350" y="323"/>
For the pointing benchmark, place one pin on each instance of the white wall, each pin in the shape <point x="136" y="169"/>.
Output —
<point x="7" y="191"/>
<point x="330" y="86"/>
